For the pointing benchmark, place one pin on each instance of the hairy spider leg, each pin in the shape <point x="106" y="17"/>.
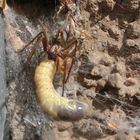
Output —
<point x="34" y="49"/>
<point x="40" y="37"/>
<point x="72" y="56"/>
<point x="45" y="41"/>
<point x="36" y="37"/>
<point x="68" y="57"/>
<point x="67" y="70"/>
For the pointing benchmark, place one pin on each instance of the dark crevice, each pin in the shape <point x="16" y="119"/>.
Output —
<point x="34" y="9"/>
<point x="46" y="3"/>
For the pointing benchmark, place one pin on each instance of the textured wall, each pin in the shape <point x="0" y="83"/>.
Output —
<point x="2" y="81"/>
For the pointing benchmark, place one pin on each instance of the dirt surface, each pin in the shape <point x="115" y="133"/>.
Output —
<point x="106" y="73"/>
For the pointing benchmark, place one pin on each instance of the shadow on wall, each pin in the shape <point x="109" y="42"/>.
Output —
<point x="33" y="8"/>
<point x="43" y="2"/>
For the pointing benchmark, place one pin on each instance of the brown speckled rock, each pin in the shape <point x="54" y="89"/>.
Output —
<point x="116" y="80"/>
<point x="114" y="32"/>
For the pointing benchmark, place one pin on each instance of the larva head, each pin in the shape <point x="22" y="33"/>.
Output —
<point x="73" y="110"/>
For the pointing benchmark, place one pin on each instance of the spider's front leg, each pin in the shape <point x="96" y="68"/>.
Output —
<point x="65" y="60"/>
<point x="39" y="38"/>
<point x="64" y="66"/>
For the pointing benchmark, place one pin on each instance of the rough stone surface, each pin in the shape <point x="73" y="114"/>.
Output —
<point x="116" y="80"/>
<point x="130" y="43"/>
<point x="133" y="30"/>
<point x="3" y="91"/>
<point x="114" y="32"/>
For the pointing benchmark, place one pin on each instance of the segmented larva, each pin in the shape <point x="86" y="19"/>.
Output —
<point x="55" y="105"/>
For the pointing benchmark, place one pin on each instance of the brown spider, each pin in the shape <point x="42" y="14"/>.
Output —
<point x="58" y="49"/>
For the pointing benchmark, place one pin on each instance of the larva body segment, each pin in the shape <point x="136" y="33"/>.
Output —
<point x="55" y="105"/>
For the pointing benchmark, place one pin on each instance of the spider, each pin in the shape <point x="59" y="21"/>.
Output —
<point x="58" y="49"/>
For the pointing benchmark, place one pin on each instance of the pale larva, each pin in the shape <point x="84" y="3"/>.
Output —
<point x="52" y="103"/>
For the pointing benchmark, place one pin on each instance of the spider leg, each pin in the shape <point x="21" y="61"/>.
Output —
<point x="64" y="78"/>
<point x="57" y="63"/>
<point x="41" y="37"/>
<point x="68" y="68"/>
<point x="37" y="36"/>
<point x="68" y="64"/>
<point x="72" y="59"/>
<point x="33" y="50"/>
<point x="62" y="66"/>
<point x="70" y="43"/>
<point x="45" y="39"/>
